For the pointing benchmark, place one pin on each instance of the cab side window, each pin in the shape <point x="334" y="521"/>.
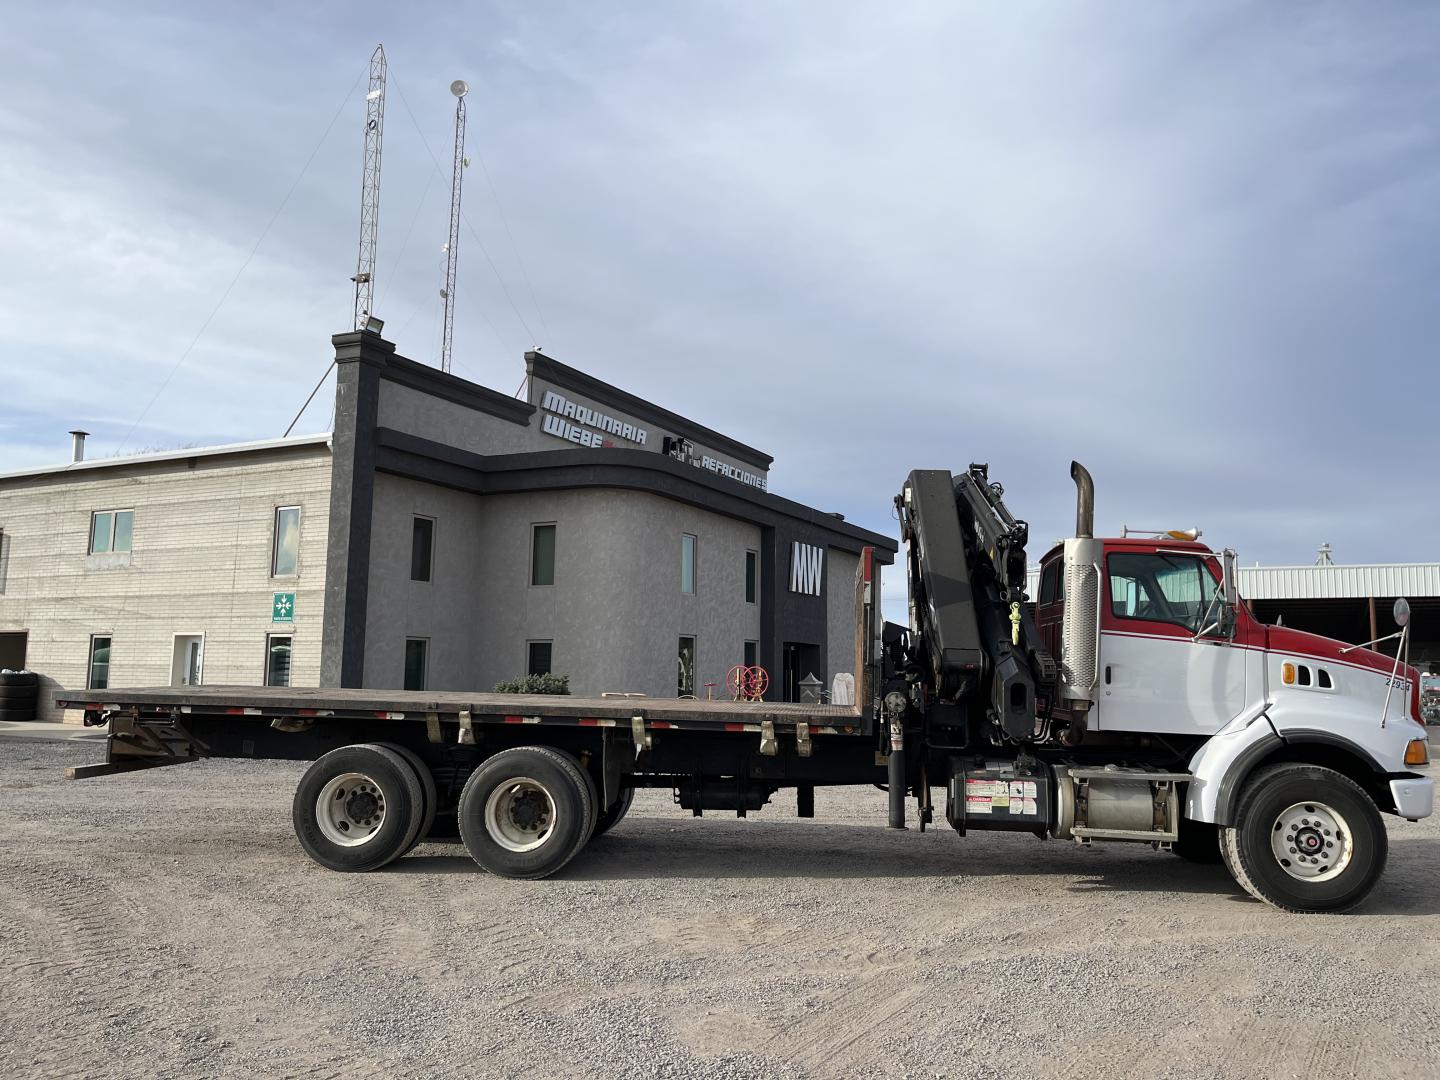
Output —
<point x="1156" y="587"/>
<point x="1052" y="587"/>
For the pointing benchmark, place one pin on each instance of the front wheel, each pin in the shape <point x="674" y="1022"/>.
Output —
<point x="1306" y="839"/>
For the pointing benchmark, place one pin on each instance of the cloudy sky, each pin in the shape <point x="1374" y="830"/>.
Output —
<point x="1192" y="245"/>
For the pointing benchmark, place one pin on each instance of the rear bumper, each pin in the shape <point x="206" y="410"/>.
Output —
<point x="1414" y="796"/>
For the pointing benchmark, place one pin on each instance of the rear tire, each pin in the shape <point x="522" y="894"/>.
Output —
<point x="1306" y="839"/>
<point x="526" y="812"/>
<point x="358" y="808"/>
<point x="608" y="819"/>
<point x="429" y="799"/>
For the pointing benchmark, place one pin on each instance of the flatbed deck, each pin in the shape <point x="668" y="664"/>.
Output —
<point x="418" y="704"/>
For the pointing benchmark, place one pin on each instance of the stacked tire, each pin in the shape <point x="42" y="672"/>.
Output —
<point x="19" y="695"/>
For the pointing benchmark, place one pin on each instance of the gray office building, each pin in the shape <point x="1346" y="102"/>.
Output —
<point x="444" y="536"/>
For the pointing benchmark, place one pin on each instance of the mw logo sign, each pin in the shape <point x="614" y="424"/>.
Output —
<point x="807" y="565"/>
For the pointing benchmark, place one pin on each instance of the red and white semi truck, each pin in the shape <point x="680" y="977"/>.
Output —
<point x="1141" y="702"/>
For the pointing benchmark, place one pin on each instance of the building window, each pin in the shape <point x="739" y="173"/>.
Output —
<point x="538" y="657"/>
<point x="416" y="655"/>
<point x="752" y="573"/>
<point x="685" y="684"/>
<point x="277" y="659"/>
<point x="752" y="653"/>
<point x="687" y="563"/>
<point x="285" y="556"/>
<point x="110" y="531"/>
<point x="542" y="554"/>
<point x="99" y="663"/>
<point x="422" y="547"/>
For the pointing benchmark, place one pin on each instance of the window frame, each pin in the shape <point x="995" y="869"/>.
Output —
<point x="429" y="577"/>
<point x="289" y="670"/>
<point x="530" y="644"/>
<point x="424" y="643"/>
<point x="109" y="640"/>
<point x="750" y="645"/>
<point x="1202" y="562"/>
<point x="752" y="576"/>
<point x="275" y="541"/>
<point x="113" y="515"/>
<point x="694" y="552"/>
<point x="535" y="527"/>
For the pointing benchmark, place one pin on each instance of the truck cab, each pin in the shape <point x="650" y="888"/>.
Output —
<point x="1174" y="656"/>
<point x="1144" y="700"/>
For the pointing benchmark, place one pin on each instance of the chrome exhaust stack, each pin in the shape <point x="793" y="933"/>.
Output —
<point x="1084" y="501"/>
<point x="1080" y="628"/>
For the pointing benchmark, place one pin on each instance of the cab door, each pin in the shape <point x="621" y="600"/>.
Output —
<point x="1156" y="674"/>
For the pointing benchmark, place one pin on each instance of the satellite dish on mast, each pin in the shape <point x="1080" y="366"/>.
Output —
<point x="459" y="88"/>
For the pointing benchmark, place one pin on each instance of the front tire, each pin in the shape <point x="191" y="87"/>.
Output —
<point x="358" y="808"/>
<point x="1306" y="839"/>
<point x="526" y="812"/>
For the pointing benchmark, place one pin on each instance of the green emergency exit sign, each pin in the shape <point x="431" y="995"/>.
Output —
<point x="283" y="607"/>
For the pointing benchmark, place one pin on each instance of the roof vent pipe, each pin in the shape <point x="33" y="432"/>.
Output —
<point x="1084" y="501"/>
<point x="77" y="445"/>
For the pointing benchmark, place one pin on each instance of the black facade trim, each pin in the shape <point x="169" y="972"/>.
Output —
<point x="360" y="358"/>
<point x="411" y="456"/>
<point x="552" y="370"/>
<point x="428" y="380"/>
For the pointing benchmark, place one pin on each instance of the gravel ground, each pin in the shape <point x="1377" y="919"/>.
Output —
<point x="166" y="924"/>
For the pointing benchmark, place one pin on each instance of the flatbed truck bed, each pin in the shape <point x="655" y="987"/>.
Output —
<point x="419" y="704"/>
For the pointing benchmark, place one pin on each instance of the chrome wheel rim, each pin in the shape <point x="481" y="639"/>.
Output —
<point x="1311" y="841"/>
<point x="520" y="814"/>
<point x="350" y="809"/>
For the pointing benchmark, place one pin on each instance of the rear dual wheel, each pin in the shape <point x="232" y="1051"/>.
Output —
<point x="610" y="817"/>
<point x="362" y="806"/>
<point x="526" y="812"/>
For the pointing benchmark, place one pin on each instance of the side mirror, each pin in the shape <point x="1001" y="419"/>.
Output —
<point x="1402" y="613"/>
<point x="1230" y="590"/>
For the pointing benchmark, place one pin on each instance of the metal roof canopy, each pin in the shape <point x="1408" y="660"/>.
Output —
<point x="1340" y="582"/>
<point x="1359" y="582"/>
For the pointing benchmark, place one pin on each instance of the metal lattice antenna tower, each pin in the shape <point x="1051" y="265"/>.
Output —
<point x="452" y="249"/>
<point x="370" y="190"/>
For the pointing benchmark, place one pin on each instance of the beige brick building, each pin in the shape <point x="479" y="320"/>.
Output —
<point x="163" y="568"/>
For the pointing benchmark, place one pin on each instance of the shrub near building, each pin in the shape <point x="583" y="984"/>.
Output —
<point x="535" y="684"/>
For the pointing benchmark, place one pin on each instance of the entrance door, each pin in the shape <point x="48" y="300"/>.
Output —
<point x="801" y="659"/>
<point x="188" y="661"/>
<point x="1156" y="674"/>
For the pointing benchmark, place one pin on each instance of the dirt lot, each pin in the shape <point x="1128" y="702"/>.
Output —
<point x="166" y="924"/>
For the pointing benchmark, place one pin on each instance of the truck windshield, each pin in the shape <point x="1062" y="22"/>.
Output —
<point x="1159" y="587"/>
